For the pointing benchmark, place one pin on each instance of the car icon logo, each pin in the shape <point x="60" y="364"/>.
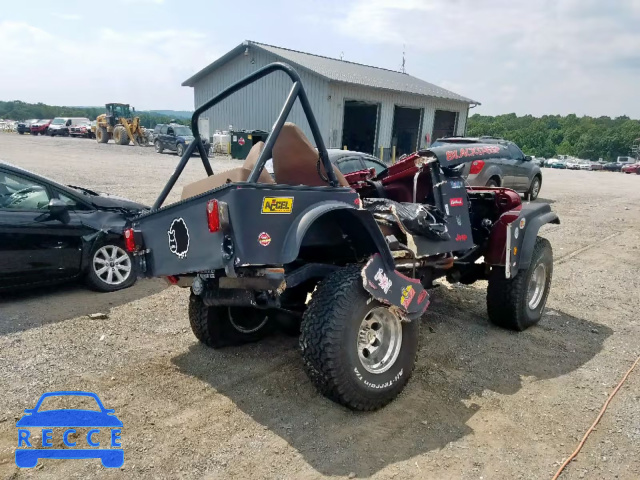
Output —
<point x="101" y="425"/>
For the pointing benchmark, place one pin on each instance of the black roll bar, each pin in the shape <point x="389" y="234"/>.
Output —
<point x="297" y="92"/>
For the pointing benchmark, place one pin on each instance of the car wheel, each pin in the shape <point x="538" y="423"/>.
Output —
<point x="356" y="350"/>
<point x="493" y="182"/>
<point x="110" y="268"/>
<point x="20" y="132"/>
<point x="222" y="326"/>
<point x="180" y="149"/>
<point x="517" y="303"/>
<point x="534" y="189"/>
<point x="159" y="148"/>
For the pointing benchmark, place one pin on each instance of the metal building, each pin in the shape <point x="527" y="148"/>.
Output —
<point x="358" y="106"/>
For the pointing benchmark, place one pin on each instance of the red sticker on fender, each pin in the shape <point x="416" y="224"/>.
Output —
<point x="264" y="239"/>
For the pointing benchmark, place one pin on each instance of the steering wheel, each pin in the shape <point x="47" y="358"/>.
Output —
<point x="15" y="196"/>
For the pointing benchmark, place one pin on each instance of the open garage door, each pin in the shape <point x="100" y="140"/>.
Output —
<point x="360" y="126"/>
<point x="406" y="129"/>
<point x="444" y="124"/>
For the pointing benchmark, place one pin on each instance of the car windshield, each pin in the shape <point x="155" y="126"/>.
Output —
<point x="78" y="402"/>
<point x="182" y="131"/>
<point x="58" y="121"/>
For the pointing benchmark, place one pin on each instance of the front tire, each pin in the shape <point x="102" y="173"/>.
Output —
<point x="158" y="146"/>
<point x="180" y="150"/>
<point x="110" y="268"/>
<point x="517" y="303"/>
<point x="120" y="135"/>
<point x="222" y="326"/>
<point x="355" y="350"/>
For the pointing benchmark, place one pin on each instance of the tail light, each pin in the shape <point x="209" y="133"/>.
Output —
<point x="129" y="241"/>
<point x="476" y="167"/>
<point x="213" y="216"/>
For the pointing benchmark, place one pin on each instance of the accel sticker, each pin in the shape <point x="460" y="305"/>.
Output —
<point x="264" y="239"/>
<point x="277" y="205"/>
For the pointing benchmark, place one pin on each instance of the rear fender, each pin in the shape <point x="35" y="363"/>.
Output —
<point x="372" y="239"/>
<point x="492" y="171"/>
<point x="513" y="237"/>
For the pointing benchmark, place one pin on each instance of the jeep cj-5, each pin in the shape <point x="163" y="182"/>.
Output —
<point x="344" y="261"/>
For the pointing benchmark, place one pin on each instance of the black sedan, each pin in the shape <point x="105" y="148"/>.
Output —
<point x="51" y="232"/>
<point x="612" y="166"/>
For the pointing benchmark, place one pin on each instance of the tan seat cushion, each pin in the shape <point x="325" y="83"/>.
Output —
<point x="295" y="160"/>
<point x="251" y="160"/>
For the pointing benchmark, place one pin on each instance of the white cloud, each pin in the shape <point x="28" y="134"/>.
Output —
<point x="57" y="69"/>
<point x="558" y="50"/>
<point x="67" y="16"/>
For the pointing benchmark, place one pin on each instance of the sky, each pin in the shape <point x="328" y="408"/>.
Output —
<point x="524" y="56"/>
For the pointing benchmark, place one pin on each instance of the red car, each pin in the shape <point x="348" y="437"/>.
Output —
<point x="635" y="168"/>
<point x="82" y="129"/>
<point x="40" y="127"/>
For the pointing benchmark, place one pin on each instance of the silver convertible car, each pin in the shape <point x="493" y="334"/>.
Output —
<point x="516" y="170"/>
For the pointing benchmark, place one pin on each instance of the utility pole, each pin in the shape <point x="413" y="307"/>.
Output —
<point x="403" y="60"/>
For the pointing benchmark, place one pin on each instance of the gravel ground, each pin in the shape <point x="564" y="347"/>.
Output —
<point x="483" y="403"/>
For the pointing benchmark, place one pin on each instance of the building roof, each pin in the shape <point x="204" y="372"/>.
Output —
<point x="336" y="70"/>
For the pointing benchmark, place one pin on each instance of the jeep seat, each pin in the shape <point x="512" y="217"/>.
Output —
<point x="251" y="160"/>
<point x="295" y="160"/>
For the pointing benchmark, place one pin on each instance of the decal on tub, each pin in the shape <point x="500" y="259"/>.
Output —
<point x="277" y="205"/>
<point x="456" y="183"/>
<point x="461" y="238"/>
<point x="523" y="222"/>
<point x="264" y="239"/>
<point x="178" y="238"/>
<point x="456" y="202"/>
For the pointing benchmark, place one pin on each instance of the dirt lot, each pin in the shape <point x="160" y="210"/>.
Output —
<point x="483" y="403"/>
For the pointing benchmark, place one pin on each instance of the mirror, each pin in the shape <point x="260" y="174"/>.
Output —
<point x="57" y="207"/>
<point x="527" y="158"/>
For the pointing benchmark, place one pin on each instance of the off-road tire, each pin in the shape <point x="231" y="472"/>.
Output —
<point x="102" y="135"/>
<point x="158" y="145"/>
<point x="120" y="135"/>
<point x="533" y="193"/>
<point x="328" y="342"/>
<point x="507" y="297"/>
<point x="213" y="326"/>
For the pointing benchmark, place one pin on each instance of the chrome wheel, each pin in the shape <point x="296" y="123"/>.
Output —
<point x="537" y="286"/>
<point x="379" y="340"/>
<point x="112" y="265"/>
<point x="247" y="320"/>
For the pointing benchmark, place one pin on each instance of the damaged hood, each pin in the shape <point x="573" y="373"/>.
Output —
<point x="108" y="201"/>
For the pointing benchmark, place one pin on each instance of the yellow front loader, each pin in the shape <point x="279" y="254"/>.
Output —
<point x="119" y="123"/>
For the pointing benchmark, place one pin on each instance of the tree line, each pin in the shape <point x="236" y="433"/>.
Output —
<point x="17" y="110"/>
<point x="550" y="135"/>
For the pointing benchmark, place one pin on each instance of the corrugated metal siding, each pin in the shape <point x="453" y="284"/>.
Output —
<point x="258" y="105"/>
<point x="388" y="100"/>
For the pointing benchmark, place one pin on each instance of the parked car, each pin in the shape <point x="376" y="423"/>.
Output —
<point x="586" y="166"/>
<point x="61" y="125"/>
<point x="174" y="137"/>
<point x="347" y="161"/>
<point x="613" y="166"/>
<point x="25" y="127"/>
<point x="51" y="232"/>
<point x="514" y="170"/>
<point x="626" y="160"/>
<point x="82" y="129"/>
<point x="635" y="168"/>
<point x="40" y="127"/>
<point x="596" y="165"/>
<point x="558" y="164"/>
<point x="573" y="164"/>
